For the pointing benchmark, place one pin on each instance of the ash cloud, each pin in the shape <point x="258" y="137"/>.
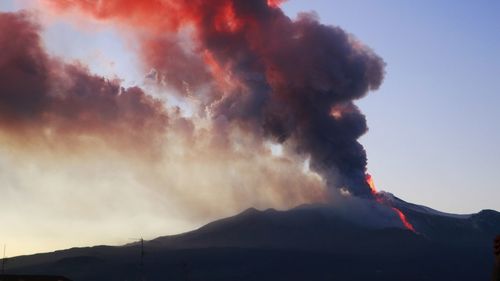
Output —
<point x="73" y="141"/>
<point x="288" y="81"/>
<point x="78" y="147"/>
<point x="42" y="97"/>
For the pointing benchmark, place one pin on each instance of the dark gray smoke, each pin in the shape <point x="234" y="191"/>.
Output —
<point x="297" y="83"/>
<point x="291" y="81"/>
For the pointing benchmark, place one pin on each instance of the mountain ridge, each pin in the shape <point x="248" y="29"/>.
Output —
<point x="291" y="243"/>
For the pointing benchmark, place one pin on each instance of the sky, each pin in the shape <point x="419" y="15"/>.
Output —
<point x="433" y="129"/>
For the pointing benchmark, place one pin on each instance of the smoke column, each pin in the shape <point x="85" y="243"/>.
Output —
<point x="289" y="81"/>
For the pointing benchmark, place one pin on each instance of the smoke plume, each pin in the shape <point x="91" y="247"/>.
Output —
<point x="81" y="149"/>
<point x="288" y="81"/>
<point x="44" y="99"/>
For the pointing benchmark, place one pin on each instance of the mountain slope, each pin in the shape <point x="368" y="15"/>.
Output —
<point x="311" y="242"/>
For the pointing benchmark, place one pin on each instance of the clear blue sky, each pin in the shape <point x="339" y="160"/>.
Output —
<point x="435" y="123"/>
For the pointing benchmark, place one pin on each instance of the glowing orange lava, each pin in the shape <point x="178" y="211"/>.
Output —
<point x="371" y="184"/>
<point x="380" y="199"/>
<point x="403" y="219"/>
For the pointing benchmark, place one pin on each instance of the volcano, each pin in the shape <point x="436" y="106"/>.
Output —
<point x="309" y="242"/>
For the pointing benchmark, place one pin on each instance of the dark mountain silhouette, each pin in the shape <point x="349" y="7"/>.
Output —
<point x="311" y="242"/>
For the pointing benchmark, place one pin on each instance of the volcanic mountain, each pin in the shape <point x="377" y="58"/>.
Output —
<point x="309" y="242"/>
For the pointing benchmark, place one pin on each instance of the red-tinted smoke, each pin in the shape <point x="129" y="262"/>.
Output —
<point x="264" y="72"/>
<point x="43" y="97"/>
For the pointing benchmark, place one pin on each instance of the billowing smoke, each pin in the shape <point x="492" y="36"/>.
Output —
<point x="81" y="150"/>
<point x="288" y="81"/>
<point x="80" y="147"/>
<point x="44" y="99"/>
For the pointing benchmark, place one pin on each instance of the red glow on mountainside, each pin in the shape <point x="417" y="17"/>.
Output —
<point x="403" y="219"/>
<point x="380" y="199"/>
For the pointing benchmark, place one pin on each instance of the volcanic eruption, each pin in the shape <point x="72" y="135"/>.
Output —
<point x="227" y="107"/>
<point x="252" y="71"/>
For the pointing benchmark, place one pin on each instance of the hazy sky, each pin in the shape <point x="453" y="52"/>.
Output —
<point x="434" y="123"/>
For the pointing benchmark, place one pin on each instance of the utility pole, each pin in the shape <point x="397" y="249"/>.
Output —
<point x="141" y="264"/>
<point x="4" y="259"/>
<point x="142" y="260"/>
